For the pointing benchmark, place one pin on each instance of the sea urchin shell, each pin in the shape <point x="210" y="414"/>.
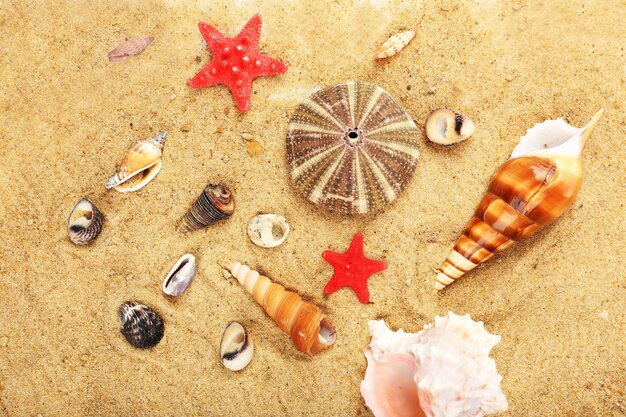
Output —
<point x="352" y="148"/>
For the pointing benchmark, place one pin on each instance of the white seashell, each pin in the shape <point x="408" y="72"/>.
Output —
<point x="446" y="127"/>
<point x="180" y="276"/>
<point x="268" y="230"/>
<point x="85" y="222"/>
<point x="395" y="44"/>
<point x="448" y="364"/>
<point x="237" y="348"/>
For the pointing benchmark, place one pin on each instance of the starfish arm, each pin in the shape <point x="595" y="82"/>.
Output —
<point x="333" y="258"/>
<point x="371" y="267"/>
<point x="356" y="247"/>
<point x="206" y="77"/>
<point x="241" y="93"/>
<point x="251" y="32"/>
<point x="212" y="36"/>
<point x="265" y="66"/>
<point x="333" y="285"/>
<point x="362" y="292"/>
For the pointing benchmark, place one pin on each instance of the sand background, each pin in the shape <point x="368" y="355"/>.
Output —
<point x="67" y="114"/>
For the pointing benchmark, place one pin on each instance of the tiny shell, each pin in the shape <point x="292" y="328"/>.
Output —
<point x="214" y="204"/>
<point x="141" y="326"/>
<point x="236" y="348"/>
<point x="130" y="48"/>
<point x="395" y="44"/>
<point x="446" y="127"/>
<point x="180" y="276"/>
<point x="268" y="230"/>
<point x="85" y="222"/>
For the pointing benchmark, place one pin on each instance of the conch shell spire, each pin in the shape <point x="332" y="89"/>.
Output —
<point x="307" y="326"/>
<point x="533" y="188"/>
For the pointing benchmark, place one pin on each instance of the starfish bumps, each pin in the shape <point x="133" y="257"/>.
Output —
<point x="236" y="62"/>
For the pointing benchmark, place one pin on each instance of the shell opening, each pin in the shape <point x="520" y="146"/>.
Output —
<point x="173" y="274"/>
<point x="327" y="333"/>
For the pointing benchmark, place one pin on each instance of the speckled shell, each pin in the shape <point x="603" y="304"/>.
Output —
<point x="85" y="222"/>
<point x="141" y="163"/>
<point x="307" y="326"/>
<point x="395" y="44"/>
<point x="141" y="326"/>
<point x="530" y="190"/>
<point x="352" y="148"/>
<point x="214" y="204"/>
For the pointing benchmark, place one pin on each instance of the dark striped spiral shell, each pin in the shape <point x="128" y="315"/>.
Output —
<point x="215" y="203"/>
<point x="85" y="222"/>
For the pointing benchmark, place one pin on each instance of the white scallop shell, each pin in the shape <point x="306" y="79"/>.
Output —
<point x="453" y="374"/>
<point x="268" y="230"/>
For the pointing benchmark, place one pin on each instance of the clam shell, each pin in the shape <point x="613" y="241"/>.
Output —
<point x="447" y="127"/>
<point x="141" y="326"/>
<point x="141" y="163"/>
<point x="85" y="222"/>
<point x="215" y="203"/>
<point x="180" y="276"/>
<point x="352" y="148"/>
<point x="395" y="44"/>
<point x="268" y="230"/>
<point x="236" y="348"/>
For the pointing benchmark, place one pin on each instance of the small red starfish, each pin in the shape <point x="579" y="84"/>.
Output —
<point x="352" y="269"/>
<point x="236" y="62"/>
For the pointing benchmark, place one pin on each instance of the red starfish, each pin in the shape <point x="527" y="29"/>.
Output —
<point x="352" y="269"/>
<point x="236" y="62"/>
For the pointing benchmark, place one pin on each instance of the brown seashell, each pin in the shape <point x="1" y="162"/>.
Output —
<point x="85" y="222"/>
<point x="307" y="326"/>
<point x="533" y="188"/>
<point x="395" y="44"/>
<point x="214" y="204"/>
<point x="130" y="48"/>
<point x="352" y="148"/>
<point x="141" y="163"/>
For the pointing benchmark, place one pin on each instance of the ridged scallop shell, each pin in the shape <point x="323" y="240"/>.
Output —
<point x="395" y="44"/>
<point x="352" y="148"/>
<point x="236" y="348"/>
<point x="141" y="326"/>
<point x="447" y="127"/>
<point x="307" y="326"/>
<point x="268" y="230"/>
<point x="442" y="371"/>
<point x="141" y="163"/>
<point x="214" y="204"/>
<point x="85" y="222"/>
<point x="180" y="276"/>
<point x="533" y="188"/>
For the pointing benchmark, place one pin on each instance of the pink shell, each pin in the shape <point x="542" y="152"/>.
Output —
<point x="130" y="48"/>
<point x="389" y="387"/>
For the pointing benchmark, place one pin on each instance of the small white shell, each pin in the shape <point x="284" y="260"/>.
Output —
<point x="268" y="230"/>
<point x="395" y="44"/>
<point x="236" y="348"/>
<point x="180" y="276"/>
<point x="446" y="127"/>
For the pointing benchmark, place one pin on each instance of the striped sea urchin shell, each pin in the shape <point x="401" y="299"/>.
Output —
<point x="352" y="148"/>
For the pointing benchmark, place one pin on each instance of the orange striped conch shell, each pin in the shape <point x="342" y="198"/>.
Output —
<point x="395" y="44"/>
<point x="141" y="163"/>
<point x="307" y="326"/>
<point x="534" y="187"/>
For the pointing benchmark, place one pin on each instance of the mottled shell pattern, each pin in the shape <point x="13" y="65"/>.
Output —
<point x="352" y="148"/>
<point x="533" y="188"/>
<point x="141" y="163"/>
<point x="395" y="44"/>
<point x="85" y="223"/>
<point x="141" y="326"/>
<point x="442" y="371"/>
<point x="236" y="347"/>
<point x="130" y="47"/>
<point x="307" y="326"/>
<point x="214" y="204"/>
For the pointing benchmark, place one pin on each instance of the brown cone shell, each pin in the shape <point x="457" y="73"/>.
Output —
<point x="214" y="204"/>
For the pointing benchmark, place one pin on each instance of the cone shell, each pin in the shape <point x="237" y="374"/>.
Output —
<point x="85" y="223"/>
<point x="141" y="326"/>
<point x="307" y="326"/>
<point x="530" y="190"/>
<point x="214" y="204"/>
<point x="352" y="148"/>
<point x="141" y="163"/>
<point x="395" y="44"/>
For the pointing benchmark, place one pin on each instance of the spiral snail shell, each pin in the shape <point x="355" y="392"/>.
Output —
<point x="307" y="326"/>
<point x="214" y="204"/>
<point x="533" y="188"/>
<point x="85" y="223"/>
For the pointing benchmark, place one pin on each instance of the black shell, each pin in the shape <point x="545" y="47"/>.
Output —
<point x="140" y="325"/>
<point x="214" y="204"/>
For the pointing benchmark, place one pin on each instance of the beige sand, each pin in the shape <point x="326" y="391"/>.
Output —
<point x="67" y="114"/>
